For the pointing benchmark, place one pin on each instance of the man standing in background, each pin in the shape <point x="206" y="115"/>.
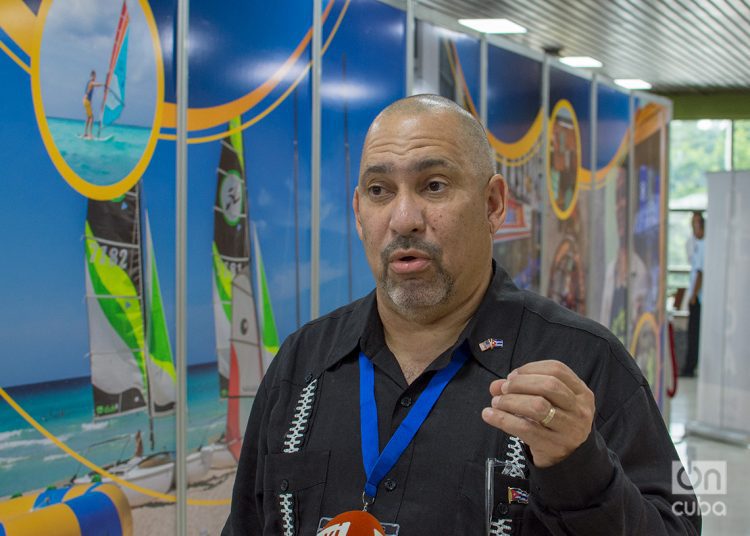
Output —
<point x="695" y="295"/>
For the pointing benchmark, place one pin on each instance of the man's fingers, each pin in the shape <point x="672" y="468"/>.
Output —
<point x="496" y="387"/>
<point x="551" y="367"/>
<point x="535" y="408"/>
<point x="549" y="387"/>
<point x="529" y="432"/>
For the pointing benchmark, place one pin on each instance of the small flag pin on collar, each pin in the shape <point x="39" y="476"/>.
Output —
<point x="490" y="344"/>
<point x="518" y="495"/>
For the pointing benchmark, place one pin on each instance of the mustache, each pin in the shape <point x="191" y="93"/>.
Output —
<point x="410" y="242"/>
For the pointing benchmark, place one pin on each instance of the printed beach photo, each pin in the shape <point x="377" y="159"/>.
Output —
<point x="98" y="78"/>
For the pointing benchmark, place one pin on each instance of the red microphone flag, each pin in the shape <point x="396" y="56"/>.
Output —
<point x="353" y="523"/>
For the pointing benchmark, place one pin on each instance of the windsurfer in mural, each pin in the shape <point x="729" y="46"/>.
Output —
<point x="87" y="97"/>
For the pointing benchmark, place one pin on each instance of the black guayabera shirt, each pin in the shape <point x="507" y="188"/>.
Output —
<point x="301" y="458"/>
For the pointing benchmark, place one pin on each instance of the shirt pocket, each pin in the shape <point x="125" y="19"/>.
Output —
<point x="507" y="508"/>
<point x="293" y="487"/>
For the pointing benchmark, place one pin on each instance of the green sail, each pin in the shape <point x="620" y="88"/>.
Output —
<point x="230" y="249"/>
<point x="114" y="298"/>
<point x="161" y="369"/>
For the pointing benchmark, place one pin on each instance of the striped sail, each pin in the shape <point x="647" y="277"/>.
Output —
<point x="115" y="305"/>
<point x="231" y="244"/>
<point x="114" y="86"/>
<point x="131" y="357"/>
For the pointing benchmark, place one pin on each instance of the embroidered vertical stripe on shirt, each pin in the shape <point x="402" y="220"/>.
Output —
<point x="292" y="442"/>
<point x="297" y="429"/>
<point x="514" y="458"/>
<point x="500" y="527"/>
<point x="286" y="507"/>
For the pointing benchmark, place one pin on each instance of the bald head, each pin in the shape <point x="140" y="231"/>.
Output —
<point x="469" y="134"/>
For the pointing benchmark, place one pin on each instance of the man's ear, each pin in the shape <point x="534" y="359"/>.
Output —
<point x="496" y="194"/>
<point x="355" y="206"/>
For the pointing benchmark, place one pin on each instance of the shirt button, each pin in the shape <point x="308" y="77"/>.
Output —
<point x="406" y="401"/>
<point x="390" y="484"/>
<point x="501" y="509"/>
<point x="284" y="485"/>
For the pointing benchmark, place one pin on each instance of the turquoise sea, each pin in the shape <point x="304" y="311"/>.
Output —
<point x="29" y="461"/>
<point x="99" y="162"/>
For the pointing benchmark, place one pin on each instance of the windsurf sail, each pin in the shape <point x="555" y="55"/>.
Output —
<point x="114" y="86"/>
<point x="115" y="305"/>
<point x="231" y="244"/>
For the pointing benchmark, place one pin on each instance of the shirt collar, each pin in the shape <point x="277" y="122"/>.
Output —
<point x="498" y="318"/>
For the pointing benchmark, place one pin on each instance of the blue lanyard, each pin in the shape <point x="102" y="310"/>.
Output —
<point x="378" y="464"/>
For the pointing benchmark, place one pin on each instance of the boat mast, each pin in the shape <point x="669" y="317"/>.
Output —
<point x="111" y="67"/>
<point x="145" y="308"/>
<point x="295" y="188"/>
<point x="347" y="178"/>
<point x="252" y="234"/>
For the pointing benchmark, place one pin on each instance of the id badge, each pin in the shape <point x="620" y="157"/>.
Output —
<point x="502" y="489"/>
<point x="391" y="529"/>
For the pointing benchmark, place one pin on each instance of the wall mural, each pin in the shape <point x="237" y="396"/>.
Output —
<point x="88" y="286"/>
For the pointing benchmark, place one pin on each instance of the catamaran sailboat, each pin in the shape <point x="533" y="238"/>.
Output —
<point x="246" y="336"/>
<point x="132" y="368"/>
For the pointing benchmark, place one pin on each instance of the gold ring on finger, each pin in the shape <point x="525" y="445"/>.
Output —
<point x="548" y="419"/>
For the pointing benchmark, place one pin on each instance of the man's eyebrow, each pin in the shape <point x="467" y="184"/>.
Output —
<point x="378" y="169"/>
<point x="416" y="167"/>
<point x="429" y="163"/>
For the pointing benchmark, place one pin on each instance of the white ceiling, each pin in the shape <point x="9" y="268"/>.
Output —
<point x="676" y="45"/>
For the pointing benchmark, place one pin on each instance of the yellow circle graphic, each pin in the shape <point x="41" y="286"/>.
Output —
<point x="564" y="161"/>
<point x="645" y="348"/>
<point x="104" y="160"/>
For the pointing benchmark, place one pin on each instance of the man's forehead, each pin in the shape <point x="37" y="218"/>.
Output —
<point x="399" y="135"/>
<point x="405" y="121"/>
<point x="412" y="165"/>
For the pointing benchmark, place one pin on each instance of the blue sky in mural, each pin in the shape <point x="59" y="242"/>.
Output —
<point x="372" y="38"/>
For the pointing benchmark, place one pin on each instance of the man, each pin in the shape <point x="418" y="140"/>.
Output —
<point x="475" y="370"/>
<point x="88" y="95"/>
<point x="695" y="295"/>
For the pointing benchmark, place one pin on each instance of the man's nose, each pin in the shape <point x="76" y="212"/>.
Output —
<point x="408" y="214"/>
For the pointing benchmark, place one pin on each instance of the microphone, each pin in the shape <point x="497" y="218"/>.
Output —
<point x="353" y="523"/>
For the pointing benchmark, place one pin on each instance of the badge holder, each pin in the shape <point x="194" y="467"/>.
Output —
<point x="491" y="465"/>
<point x="502" y="489"/>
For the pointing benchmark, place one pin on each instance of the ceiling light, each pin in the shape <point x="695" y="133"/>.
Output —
<point x="632" y="83"/>
<point x="581" y="61"/>
<point x="493" y="26"/>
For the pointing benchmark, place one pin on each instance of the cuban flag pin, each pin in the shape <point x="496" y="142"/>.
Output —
<point x="490" y="344"/>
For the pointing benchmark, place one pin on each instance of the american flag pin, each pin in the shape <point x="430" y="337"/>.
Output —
<point x="490" y="344"/>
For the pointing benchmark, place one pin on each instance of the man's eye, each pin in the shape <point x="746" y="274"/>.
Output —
<point x="376" y="190"/>
<point x="435" y="186"/>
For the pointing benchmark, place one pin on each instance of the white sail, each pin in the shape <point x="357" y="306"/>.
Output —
<point x="160" y="365"/>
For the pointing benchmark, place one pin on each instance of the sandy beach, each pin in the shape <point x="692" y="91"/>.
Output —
<point x="158" y="519"/>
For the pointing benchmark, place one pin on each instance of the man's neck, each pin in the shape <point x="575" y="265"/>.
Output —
<point x="417" y="342"/>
